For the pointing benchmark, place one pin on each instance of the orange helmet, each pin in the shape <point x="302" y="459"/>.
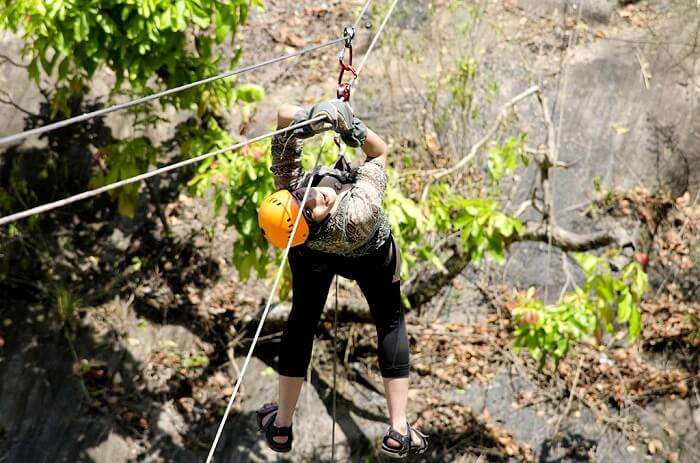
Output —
<point x="276" y="218"/>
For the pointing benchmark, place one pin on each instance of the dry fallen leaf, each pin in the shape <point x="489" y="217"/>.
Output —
<point x="654" y="446"/>
<point x="432" y="143"/>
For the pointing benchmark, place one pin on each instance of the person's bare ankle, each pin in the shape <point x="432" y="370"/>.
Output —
<point x="281" y="422"/>
<point x="400" y="427"/>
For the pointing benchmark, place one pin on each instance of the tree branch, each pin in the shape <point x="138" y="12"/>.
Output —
<point x="505" y="111"/>
<point x="4" y="57"/>
<point x="429" y="280"/>
<point x="575" y="242"/>
<point x="10" y="102"/>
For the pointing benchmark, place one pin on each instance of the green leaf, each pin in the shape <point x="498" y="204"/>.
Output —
<point x="604" y="288"/>
<point x="63" y="68"/>
<point x="635" y="324"/>
<point x="250" y="93"/>
<point x="587" y="262"/>
<point x="33" y="70"/>
<point x="640" y="282"/>
<point x="624" y="308"/>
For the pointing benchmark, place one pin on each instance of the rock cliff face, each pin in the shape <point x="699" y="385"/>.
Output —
<point x="625" y="89"/>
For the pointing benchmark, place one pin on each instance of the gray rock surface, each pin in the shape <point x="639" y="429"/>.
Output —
<point x="595" y="11"/>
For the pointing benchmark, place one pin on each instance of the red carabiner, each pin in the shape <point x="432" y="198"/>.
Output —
<point x="343" y="91"/>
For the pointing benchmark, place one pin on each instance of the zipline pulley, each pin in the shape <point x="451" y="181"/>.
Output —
<point x="343" y="92"/>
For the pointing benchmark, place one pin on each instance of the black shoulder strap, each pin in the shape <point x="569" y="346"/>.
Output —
<point x="342" y="164"/>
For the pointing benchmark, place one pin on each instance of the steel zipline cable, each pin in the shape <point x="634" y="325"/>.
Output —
<point x="112" y="186"/>
<point x="97" y="191"/>
<point x="155" y="96"/>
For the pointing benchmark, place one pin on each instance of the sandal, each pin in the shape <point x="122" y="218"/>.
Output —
<point x="423" y="441"/>
<point x="271" y="431"/>
<point x="405" y="441"/>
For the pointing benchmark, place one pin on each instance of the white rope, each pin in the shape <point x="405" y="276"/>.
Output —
<point x="97" y="191"/>
<point x="361" y="14"/>
<point x="264" y="315"/>
<point x="373" y="43"/>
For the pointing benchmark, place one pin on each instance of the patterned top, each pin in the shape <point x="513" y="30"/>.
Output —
<point x="358" y="225"/>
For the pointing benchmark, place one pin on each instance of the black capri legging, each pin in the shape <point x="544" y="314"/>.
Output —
<point x="377" y="275"/>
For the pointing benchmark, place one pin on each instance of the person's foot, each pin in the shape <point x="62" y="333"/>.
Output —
<point x="415" y="440"/>
<point x="269" y="416"/>
<point x="418" y="440"/>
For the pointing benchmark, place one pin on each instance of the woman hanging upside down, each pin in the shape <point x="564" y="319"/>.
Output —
<point x="343" y="231"/>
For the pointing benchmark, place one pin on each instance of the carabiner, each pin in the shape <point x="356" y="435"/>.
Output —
<point x="349" y="34"/>
<point x="343" y="90"/>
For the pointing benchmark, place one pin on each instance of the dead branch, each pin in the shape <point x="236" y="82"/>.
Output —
<point x="571" y="396"/>
<point x="500" y="120"/>
<point x="5" y="58"/>
<point x="350" y="312"/>
<point x="429" y="281"/>
<point x="10" y="102"/>
<point x="505" y="112"/>
<point x="575" y="242"/>
<point x="476" y="147"/>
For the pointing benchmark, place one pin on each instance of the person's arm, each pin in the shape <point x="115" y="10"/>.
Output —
<point x="375" y="148"/>
<point x="286" y="151"/>
<point x="285" y="115"/>
<point x="367" y="195"/>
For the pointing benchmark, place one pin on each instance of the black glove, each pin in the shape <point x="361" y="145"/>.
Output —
<point x="356" y="136"/>
<point x="338" y="115"/>
<point x="305" y="131"/>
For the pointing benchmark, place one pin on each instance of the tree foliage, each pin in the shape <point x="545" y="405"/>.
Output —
<point x="173" y="40"/>
<point x="604" y="302"/>
<point x="147" y="46"/>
